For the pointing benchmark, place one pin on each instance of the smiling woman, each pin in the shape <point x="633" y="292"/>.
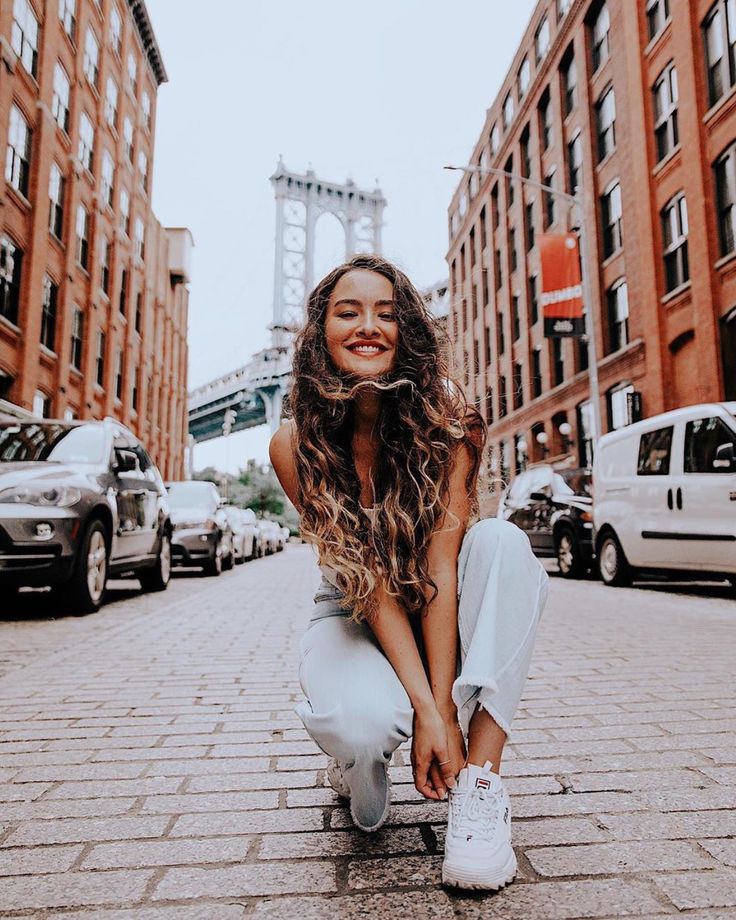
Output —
<point x="361" y="324"/>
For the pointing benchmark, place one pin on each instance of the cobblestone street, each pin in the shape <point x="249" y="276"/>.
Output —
<point x="151" y="765"/>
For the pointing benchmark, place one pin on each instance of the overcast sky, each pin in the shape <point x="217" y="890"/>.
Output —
<point x="388" y="91"/>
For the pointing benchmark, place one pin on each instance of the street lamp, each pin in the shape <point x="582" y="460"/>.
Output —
<point x="542" y="441"/>
<point x="575" y="200"/>
<point x="565" y="429"/>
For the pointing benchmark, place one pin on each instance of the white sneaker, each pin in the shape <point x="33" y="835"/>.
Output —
<point x="478" y="851"/>
<point x="336" y="778"/>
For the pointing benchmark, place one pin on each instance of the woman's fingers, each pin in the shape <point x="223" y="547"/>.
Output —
<point x="435" y="775"/>
<point x="445" y="767"/>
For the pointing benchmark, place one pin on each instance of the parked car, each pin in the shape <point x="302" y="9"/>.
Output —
<point x="554" y="508"/>
<point x="202" y="534"/>
<point x="270" y="532"/>
<point x="664" y="494"/>
<point x="242" y="522"/>
<point x="286" y="533"/>
<point x="80" y="501"/>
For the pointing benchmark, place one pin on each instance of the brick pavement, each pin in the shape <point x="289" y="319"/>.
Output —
<point x="151" y="765"/>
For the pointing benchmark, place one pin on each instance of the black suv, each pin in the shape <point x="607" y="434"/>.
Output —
<point x="554" y="508"/>
<point x="79" y="501"/>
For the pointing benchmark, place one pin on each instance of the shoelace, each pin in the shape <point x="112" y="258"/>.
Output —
<point x="475" y="810"/>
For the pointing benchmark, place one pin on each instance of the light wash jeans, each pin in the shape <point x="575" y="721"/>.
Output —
<point x="357" y="709"/>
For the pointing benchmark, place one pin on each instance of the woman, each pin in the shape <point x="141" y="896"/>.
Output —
<point x="420" y="628"/>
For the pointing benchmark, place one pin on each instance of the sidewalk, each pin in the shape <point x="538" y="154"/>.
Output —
<point x="151" y="765"/>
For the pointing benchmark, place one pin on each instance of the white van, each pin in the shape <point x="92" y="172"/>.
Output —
<point x="664" y="495"/>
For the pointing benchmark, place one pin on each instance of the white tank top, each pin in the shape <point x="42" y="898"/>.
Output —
<point x="327" y="570"/>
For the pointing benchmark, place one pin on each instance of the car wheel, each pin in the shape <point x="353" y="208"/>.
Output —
<point x="229" y="561"/>
<point x="157" y="578"/>
<point x="612" y="563"/>
<point x="569" y="559"/>
<point x="732" y="580"/>
<point x="214" y="566"/>
<point x="84" y="591"/>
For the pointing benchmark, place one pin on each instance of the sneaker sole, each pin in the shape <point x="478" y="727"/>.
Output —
<point x="468" y="877"/>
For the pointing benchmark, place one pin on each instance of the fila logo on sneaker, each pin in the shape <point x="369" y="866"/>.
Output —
<point x="481" y="783"/>
<point x="506" y="816"/>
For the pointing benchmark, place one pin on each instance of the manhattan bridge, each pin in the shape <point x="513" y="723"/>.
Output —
<point x="252" y="395"/>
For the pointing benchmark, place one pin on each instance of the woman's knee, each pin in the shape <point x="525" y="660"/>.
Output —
<point x="354" y="730"/>
<point x="498" y="533"/>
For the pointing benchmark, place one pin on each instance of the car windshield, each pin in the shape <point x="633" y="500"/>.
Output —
<point x="188" y="494"/>
<point x="48" y="442"/>
<point x="575" y="482"/>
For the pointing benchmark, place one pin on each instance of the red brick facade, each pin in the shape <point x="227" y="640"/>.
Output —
<point x="678" y="262"/>
<point x="120" y="351"/>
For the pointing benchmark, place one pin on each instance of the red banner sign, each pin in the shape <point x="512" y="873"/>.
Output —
<point x="562" y="289"/>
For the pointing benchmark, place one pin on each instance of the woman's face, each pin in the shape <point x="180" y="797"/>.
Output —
<point x="361" y="312"/>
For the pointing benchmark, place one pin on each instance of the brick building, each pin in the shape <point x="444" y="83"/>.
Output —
<point x="93" y="295"/>
<point x="634" y="101"/>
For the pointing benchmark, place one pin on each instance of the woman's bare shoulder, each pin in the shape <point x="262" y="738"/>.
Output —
<point x="281" y="454"/>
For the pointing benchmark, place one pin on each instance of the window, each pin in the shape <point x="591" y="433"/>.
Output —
<point x="503" y="408"/>
<point x="124" y="222"/>
<point x="140" y="237"/>
<point x="569" y="86"/>
<point x="472" y="185"/>
<point x="562" y="7"/>
<point x="515" y="321"/>
<point x="720" y="40"/>
<point x="600" y="37"/>
<point x="128" y="138"/>
<point x="584" y="414"/>
<point x="133" y="73"/>
<point x="86" y="141"/>
<point x="18" y="155"/>
<point x="658" y="12"/>
<point x="526" y="162"/>
<point x="725" y="173"/>
<point x="510" y="183"/>
<point x="618" y="314"/>
<point x="483" y="230"/>
<point x="545" y="122"/>
<point x="489" y="405"/>
<point x="77" y="337"/>
<point x="24" y="35"/>
<point x="82" y="236"/>
<point x="518" y="386"/>
<point x="146" y="109"/>
<point x="119" y="373"/>
<point x="612" y="220"/>
<point x="494" y="207"/>
<point x="549" y="201"/>
<point x="703" y="437"/>
<point x="605" y="116"/>
<point x="116" y="29"/>
<point x="618" y="402"/>
<point x="533" y="301"/>
<point x="91" y="57"/>
<point x="56" y="201"/>
<point x="512" y="249"/>
<point x="105" y="265"/>
<point x="143" y="171"/>
<point x="134" y="389"/>
<point x="495" y="138"/>
<point x="501" y="334"/>
<point x="108" y="178"/>
<point x="536" y="372"/>
<point x="558" y="362"/>
<point x="111" y="102"/>
<point x="674" y="238"/>
<point x="138" y="310"/>
<point x="67" y="16"/>
<point x="574" y="163"/>
<point x="11" y="258"/>
<point x="100" y="358"/>
<point x="665" y="112"/>
<point x="498" y="269"/>
<point x="508" y="110"/>
<point x="122" y="304"/>
<point x="529" y="226"/>
<point x="654" y="452"/>
<point x="48" y="313"/>
<point x="41" y="405"/>
<point x="541" y="39"/>
<point x="60" y="99"/>
<point x="523" y="78"/>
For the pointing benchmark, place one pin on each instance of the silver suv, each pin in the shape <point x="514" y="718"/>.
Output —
<point x="80" y="501"/>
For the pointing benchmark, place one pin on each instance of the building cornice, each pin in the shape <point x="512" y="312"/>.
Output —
<point x="148" y="39"/>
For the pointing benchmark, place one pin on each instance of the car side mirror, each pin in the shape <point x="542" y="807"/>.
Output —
<point x="125" y="461"/>
<point x="540" y="497"/>
<point x="724" y="458"/>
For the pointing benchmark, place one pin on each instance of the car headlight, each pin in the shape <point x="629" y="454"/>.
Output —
<point x="45" y="495"/>
<point x="194" y="525"/>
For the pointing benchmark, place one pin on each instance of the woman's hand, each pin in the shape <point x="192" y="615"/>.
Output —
<point x="432" y="763"/>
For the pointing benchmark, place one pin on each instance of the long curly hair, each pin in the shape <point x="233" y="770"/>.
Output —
<point x="424" y="419"/>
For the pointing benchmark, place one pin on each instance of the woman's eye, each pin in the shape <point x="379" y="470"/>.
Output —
<point x="388" y="316"/>
<point x="346" y="315"/>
